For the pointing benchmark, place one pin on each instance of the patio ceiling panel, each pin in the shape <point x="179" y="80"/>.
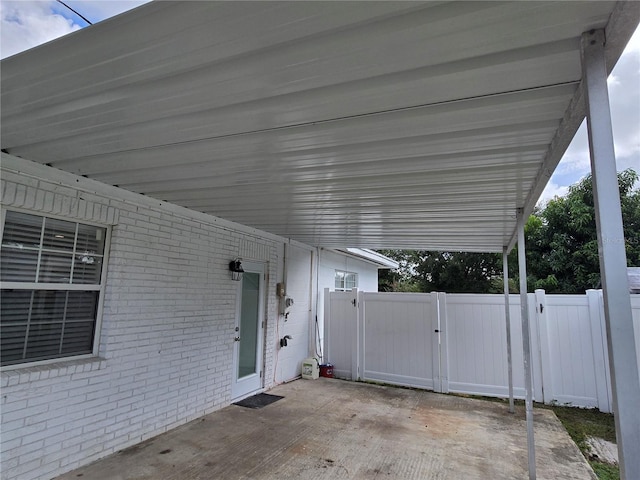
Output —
<point x="338" y="124"/>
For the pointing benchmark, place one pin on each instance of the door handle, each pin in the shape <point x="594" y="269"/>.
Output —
<point x="236" y="339"/>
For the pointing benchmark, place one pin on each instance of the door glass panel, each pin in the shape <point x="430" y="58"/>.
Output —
<point x="249" y="316"/>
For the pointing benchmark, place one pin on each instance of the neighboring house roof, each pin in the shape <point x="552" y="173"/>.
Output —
<point x="370" y="256"/>
<point x="364" y="124"/>
<point x="634" y="279"/>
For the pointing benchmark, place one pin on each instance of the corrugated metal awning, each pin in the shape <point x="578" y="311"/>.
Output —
<point x="337" y="124"/>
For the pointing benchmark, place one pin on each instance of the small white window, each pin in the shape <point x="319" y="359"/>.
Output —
<point x="345" y="281"/>
<point x="51" y="280"/>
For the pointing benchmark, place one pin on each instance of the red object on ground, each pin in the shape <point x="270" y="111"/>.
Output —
<point x="326" y="370"/>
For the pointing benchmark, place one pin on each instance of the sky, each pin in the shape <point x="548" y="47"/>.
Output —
<point x="26" y="24"/>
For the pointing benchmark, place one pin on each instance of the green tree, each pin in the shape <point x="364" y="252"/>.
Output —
<point x="401" y="279"/>
<point x="562" y="247"/>
<point x="454" y="272"/>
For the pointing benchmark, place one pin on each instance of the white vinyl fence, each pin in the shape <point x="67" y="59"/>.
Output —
<point x="457" y="343"/>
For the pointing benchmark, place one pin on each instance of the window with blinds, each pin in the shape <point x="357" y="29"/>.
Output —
<point x="345" y="281"/>
<point x="50" y="279"/>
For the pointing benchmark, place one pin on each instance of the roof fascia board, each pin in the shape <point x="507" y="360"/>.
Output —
<point x="339" y="251"/>
<point x="621" y="25"/>
<point x="368" y="256"/>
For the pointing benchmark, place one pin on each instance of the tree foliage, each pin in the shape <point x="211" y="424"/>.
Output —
<point x="561" y="250"/>
<point x="454" y="272"/>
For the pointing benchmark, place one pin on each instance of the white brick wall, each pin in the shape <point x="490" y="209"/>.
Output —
<point x="166" y="344"/>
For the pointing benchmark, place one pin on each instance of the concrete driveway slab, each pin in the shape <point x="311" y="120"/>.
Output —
<point x="333" y="429"/>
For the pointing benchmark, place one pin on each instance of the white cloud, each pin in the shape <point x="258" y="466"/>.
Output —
<point x="576" y="158"/>
<point x="552" y="190"/>
<point x="613" y="81"/>
<point x="624" y="99"/>
<point x="624" y="96"/>
<point x="26" y="24"/>
<point x="634" y="43"/>
<point x="98" y="10"/>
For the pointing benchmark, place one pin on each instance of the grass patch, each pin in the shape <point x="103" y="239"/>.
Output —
<point x="581" y="423"/>
<point x="604" y="471"/>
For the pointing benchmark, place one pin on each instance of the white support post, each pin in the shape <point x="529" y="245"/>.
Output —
<point x="613" y="263"/>
<point x="599" y="346"/>
<point x="526" y="345"/>
<point x="507" y="316"/>
<point x="435" y="342"/>
<point x="443" y="335"/>
<point x="362" y="306"/>
<point x="359" y="333"/>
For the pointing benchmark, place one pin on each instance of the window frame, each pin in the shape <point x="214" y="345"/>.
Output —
<point x="100" y="288"/>
<point x="346" y="273"/>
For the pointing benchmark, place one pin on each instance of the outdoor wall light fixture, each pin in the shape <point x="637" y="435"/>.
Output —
<point x="235" y="267"/>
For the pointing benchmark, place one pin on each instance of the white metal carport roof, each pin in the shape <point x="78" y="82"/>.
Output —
<point x="337" y="124"/>
<point x="343" y="124"/>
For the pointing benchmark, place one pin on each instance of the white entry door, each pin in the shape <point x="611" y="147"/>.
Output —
<point x="249" y="331"/>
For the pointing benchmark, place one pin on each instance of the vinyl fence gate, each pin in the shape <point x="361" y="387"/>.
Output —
<point x="457" y="343"/>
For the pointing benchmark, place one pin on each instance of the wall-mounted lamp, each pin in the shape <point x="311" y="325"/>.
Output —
<point x="235" y="267"/>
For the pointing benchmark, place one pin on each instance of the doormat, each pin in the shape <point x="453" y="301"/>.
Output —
<point x="258" y="401"/>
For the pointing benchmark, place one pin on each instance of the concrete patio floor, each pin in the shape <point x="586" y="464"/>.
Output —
<point x="333" y="429"/>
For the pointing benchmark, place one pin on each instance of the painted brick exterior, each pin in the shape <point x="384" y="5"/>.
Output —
<point x="166" y="343"/>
